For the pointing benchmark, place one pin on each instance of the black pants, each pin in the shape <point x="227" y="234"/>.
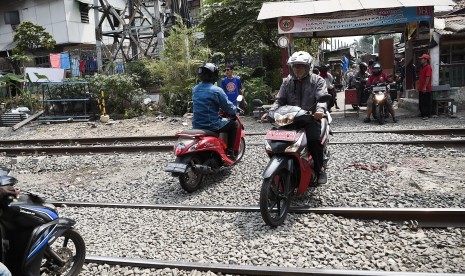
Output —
<point x="231" y="129"/>
<point x="425" y="104"/>
<point x="313" y="130"/>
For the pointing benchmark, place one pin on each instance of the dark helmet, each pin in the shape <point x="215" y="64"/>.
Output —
<point x="363" y="64"/>
<point x="377" y="69"/>
<point x="324" y="68"/>
<point x="209" y="72"/>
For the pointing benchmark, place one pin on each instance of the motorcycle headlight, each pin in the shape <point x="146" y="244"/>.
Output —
<point x="283" y="120"/>
<point x="294" y="147"/>
<point x="379" y="97"/>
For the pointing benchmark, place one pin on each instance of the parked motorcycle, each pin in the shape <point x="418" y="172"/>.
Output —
<point x="380" y="93"/>
<point x="290" y="169"/>
<point x="35" y="239"/>
<point x="200" y="152"/>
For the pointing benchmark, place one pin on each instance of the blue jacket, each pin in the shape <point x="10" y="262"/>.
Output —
<point x="208" y="100"/>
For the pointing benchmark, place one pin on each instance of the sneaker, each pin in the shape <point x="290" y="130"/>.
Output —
<point x="395" y="120"/>
<point x="367" y="120"/>
<point x="337" y="107"/>
<point x="425" y="118"/>
<point x="322" y="178"/>
<point x="435" y="116"/>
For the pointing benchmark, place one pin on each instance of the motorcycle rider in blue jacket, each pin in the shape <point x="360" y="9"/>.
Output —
<point x="208" y="100"/>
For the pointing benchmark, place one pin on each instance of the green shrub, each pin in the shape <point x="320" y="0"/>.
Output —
<point x="149" y="71"/>
<point x="255" y="88"/>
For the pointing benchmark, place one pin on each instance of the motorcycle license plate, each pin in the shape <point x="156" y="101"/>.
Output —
<point x="282" y="135"/>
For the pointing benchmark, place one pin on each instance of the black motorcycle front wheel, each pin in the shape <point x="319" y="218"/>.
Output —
<point x="65" y="256"/>
<point x="190" y="180"/>
<point x="381" y="114"/>
<point x="275" y="198"/>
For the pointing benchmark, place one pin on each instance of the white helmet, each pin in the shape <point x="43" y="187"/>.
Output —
<point x="301" y="57"/>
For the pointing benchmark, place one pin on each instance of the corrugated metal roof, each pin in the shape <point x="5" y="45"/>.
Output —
<point x="449" y="25"/>
<point x="309" y="7"/>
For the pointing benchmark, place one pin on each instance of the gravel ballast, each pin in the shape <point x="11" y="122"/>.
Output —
<point x="359" y="176"/>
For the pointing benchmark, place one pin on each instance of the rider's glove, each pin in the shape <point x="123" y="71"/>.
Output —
<point x="7" y="190"/>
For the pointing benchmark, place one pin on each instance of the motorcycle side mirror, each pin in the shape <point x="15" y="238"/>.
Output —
<point x="239" y="98"/>
<point x="257" y="102"/>
<point x="4" y="170"/>
<point x="7" y="180"/>
<point x="325" y="98"/>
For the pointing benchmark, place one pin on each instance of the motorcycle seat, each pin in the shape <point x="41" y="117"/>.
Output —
<point x="199" y="132"/>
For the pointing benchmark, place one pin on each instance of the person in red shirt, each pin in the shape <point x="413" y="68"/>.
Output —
<point x="424" y="87"/>
<point x="378" y="76"/>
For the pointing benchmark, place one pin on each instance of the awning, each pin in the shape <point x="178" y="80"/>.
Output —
<point x="309" y="7"/>
<point x="89" y="2"/>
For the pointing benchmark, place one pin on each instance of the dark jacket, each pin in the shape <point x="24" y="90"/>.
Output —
<point x="303" y="93"/>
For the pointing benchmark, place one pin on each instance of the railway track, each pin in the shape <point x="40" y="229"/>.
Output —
<point x="417" y="217"/>
<point x="105" y="149"/>
<point x="244" y="269"/>
<point x="425" y="217"/>
<point x="133" y="139"/>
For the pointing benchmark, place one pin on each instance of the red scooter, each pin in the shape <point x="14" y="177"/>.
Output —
<point x="290" y="170"/>
<point x="200" y="152"/>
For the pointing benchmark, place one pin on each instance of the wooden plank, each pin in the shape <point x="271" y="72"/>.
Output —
<point x="18" y="125"/>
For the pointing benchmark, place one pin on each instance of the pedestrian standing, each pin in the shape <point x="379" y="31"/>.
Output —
<point x="424" y="87"/>
<point x="232" y="85"/>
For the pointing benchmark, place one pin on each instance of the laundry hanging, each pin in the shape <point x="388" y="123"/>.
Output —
<point x="55" y="60"/>
<point x="64" y="61"/>
<point x="75" y="67"/>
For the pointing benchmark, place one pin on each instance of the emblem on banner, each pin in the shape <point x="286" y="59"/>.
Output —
<point x="286" y="24"/>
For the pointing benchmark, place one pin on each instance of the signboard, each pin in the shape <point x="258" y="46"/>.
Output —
<point x="52" y="74"/>
<point x="355" y="19"/>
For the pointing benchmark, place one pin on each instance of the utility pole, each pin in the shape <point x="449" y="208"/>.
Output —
<point x="98" y="37"/>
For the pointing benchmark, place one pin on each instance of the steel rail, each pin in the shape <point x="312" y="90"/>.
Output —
<point x="85" y="150"/>
<point x="131" y="139"/>
<point x="244" y="269"/>
<point x="88" y="140"/>
<point x="425" y="217"/>
<point x="424" y="131"/>
<point x="98" y="149"/>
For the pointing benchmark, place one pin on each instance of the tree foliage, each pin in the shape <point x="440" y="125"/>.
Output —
<point x="231" y="26"/>
<point x="178" y="68"/>
<point x="30" y="37"/>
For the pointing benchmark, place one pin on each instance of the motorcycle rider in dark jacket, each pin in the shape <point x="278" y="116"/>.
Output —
<point x="302" y="88"/>
<point x="378" y="76"/>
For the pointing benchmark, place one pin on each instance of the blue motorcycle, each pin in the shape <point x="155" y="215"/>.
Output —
<point x="35" y="239"/>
